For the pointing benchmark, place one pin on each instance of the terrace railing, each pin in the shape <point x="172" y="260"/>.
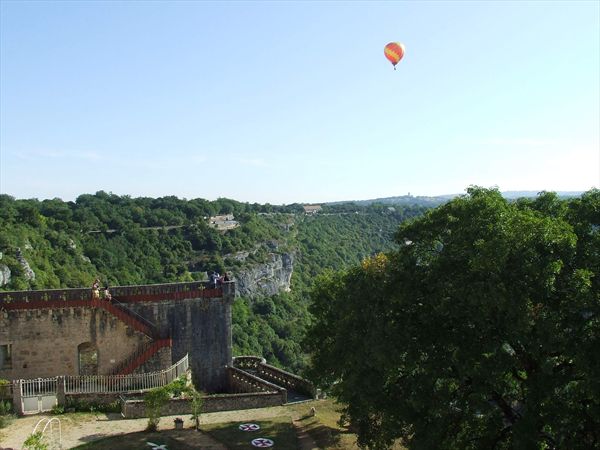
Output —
<point x="98" y="384"/>
<point x="52" y="298"/>
<point x="257" y="366"/>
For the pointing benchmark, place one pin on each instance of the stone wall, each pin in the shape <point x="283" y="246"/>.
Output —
<point x="166" y="291"/>
<point x="44" y="341"/>
<point x="274" y="375"/>
<point x="286" y="379"/>
<point x="200" y="327"/>
<point x="244" y="382"/>
<point x="161" y="360"/>
<point x="90" y="399"/>
<point x="135" y="409"/>
<point x="44" y="329"/>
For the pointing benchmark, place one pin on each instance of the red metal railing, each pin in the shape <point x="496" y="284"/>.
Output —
<point x="125" y="317"/>
<point x="140" y="357"/>
<point x="61" y="298"/>
<point x="146" y="352"/>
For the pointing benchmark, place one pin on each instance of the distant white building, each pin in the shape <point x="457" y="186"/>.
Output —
<point x="311" y="209"/>
<point x="222" y="218"/>
<point x="223" y="222"/>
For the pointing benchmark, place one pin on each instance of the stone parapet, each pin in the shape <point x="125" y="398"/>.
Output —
<point x="248" y="362"/>
<point x="135" y="409"/>
<point x="240" y="381"/>
<point x="286" y="379"/>
<point x="70" y="297"/>
<point x="278" y="377"/>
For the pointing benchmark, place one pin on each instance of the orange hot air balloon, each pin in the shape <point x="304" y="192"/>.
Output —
<point x="394" y="51"/>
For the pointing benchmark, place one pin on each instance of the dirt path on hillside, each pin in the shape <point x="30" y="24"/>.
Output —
<point x="77" y="429"/>
<point x="304" y="440"/>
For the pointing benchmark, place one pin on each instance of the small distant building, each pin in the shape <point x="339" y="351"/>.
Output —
<point x="311" y="209"/>
<point x="222" y="218"/>
<point x="223" y="222"/>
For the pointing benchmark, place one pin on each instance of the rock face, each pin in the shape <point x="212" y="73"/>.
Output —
<point x="266" y="279"/>
<point x="4" y="275"/>
<point x="29" y="274"/>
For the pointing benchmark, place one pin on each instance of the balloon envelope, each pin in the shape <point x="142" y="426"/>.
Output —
<point x="394" y="51"/>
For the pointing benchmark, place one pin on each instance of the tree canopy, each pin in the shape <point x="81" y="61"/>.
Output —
<point x="480" y="332"/>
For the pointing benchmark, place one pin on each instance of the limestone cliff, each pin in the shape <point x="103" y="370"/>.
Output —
<point x="27" y="271"/>
<point x="268" y="278"/>
<point x="4" y="275"/>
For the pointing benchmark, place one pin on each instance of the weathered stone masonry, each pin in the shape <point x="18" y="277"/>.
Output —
<point x="44" y="342"/>
<point x="201" y="328"/>
<point x="45" y="328"/>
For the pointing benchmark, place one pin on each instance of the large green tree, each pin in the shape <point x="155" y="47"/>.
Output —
<point x="481" y="332"/>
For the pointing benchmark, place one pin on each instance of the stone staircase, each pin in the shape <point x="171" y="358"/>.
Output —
<point x="138" y="323"/>
<point x="142" y="355"/>
<point x="298" y="389"/>
<point x="124" y="314"/>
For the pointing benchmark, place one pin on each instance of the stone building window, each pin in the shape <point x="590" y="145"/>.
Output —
<point x="88" y="358"/>
<point x="5" y="356"/>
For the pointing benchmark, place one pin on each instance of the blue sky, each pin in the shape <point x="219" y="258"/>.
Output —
<point x="285" y="102"/>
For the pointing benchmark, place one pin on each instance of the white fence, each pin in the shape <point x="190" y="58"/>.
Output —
<point x="94" y="384"/>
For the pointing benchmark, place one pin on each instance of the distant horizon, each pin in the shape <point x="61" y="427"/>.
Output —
<point x="526" y="192"/>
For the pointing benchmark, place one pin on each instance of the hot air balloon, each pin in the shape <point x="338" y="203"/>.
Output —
<point x="394" y="51"/>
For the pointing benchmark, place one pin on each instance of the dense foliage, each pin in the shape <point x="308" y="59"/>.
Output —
<point x="480" y="332"/>
<point x="125" y="241"/>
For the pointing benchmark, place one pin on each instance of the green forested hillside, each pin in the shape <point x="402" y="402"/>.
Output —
<point x="126" y="240"/>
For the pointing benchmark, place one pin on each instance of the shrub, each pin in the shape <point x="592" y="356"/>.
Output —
<point x="5" y="407"/>
<point x="5" y="413"/>
<point x="4" y="388"/>
<point x="155" y="399"/>
<point x="197" y="403"/>
<point x="57" y="409"/>
<point x="35" y="441"/>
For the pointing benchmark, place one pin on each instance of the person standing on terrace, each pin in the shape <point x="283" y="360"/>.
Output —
<point x="96" y="289"/>
<point x="107" y="295"/>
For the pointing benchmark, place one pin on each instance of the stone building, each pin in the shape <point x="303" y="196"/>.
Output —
<point x="145" y="328"/>
<point x="312" y="209"/>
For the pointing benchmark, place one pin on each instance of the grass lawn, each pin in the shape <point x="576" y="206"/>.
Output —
<point x="139" y="440"/>
<point x="187" y="439"/>
<point x="324" y="428"/>
<point x="279" y="429"/>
